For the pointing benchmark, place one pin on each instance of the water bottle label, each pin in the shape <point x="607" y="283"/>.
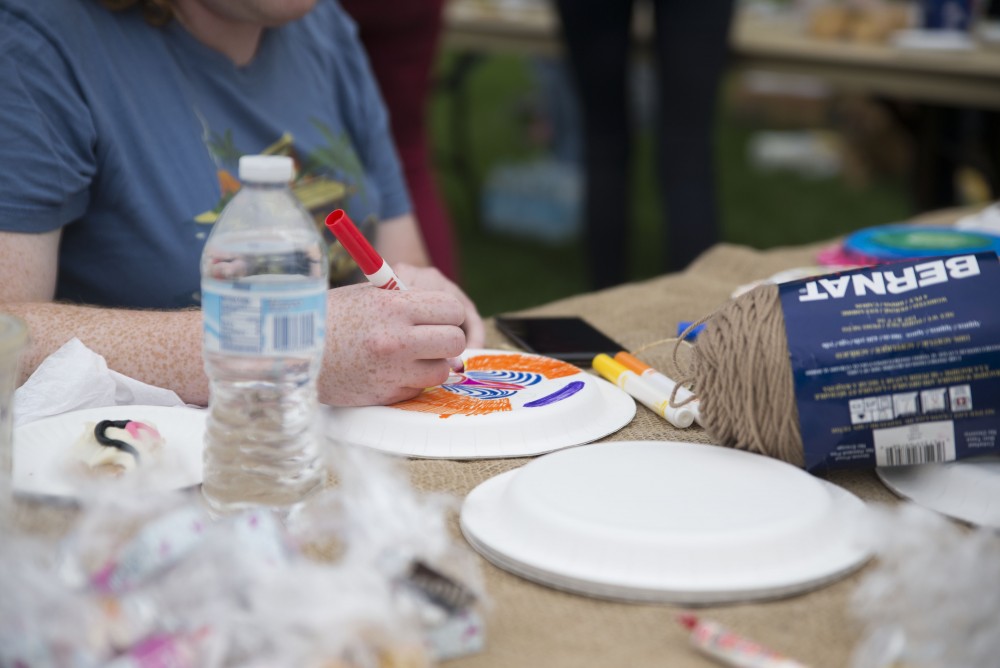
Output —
<point x="269" y="318"/>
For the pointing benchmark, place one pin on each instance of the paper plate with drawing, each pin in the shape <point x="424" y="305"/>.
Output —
<point x="503" y="404"/>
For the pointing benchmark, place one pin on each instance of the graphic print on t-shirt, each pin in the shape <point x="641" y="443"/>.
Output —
<point x="327" y="178"/>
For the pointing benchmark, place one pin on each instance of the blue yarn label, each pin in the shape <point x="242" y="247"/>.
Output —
<point x="896" y="364"/>
<point x="267" y="318"/>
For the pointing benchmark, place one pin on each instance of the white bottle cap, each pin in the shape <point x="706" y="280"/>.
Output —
<point x="266" y="168"/>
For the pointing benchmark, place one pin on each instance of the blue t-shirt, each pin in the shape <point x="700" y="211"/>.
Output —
<point x="128" y="137"/>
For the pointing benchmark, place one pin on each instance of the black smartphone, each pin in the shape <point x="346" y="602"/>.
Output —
<point x="569" y="339"/>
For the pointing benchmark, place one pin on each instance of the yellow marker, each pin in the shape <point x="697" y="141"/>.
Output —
<point x="665" y="383"/>
<point x="645" y="393"/>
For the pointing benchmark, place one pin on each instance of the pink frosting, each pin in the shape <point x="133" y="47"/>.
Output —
<point x="135" y="428"/>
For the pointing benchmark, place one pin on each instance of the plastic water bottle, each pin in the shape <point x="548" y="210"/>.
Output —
<point x="263" y="282"/>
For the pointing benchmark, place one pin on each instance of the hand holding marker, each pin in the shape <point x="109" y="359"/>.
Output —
<point x="643" y="391"/>
<point x="376" y="270"/>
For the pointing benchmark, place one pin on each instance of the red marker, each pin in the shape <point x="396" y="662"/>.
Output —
<point x="371" y="263"/>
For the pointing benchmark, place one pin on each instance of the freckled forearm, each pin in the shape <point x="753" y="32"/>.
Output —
<point x="162" y="348"/>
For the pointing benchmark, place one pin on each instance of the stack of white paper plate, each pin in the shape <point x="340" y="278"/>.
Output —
<point x="665" y="521"/>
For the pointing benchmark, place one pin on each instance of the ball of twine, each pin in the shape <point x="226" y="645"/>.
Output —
<point x="743" y="377"/>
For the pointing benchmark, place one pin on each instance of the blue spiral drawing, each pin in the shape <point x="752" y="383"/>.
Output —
<point x="479" y="392"/>
<point x="523" y="378"/>
<point x="492" y="384"/>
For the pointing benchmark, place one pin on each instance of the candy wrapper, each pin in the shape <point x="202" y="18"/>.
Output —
<point x="385" y="522"/>
<point x="355" y="578"/>
<point x="932" y="598"/>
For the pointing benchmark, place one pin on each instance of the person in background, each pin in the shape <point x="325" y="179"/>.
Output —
<point x="401" y="38"/>
<point x="689" y="51"/>
<point x="121" y="125"/>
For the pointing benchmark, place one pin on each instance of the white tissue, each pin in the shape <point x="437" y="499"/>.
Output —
<point x="75" y="377"/>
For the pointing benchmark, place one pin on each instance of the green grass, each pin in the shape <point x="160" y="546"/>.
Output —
<point x="502" y="273"/>
<point x="766" y="209"/>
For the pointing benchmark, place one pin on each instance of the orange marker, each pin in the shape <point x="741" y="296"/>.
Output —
<point x="642" y="391"/>
<point x="651" y="375"/>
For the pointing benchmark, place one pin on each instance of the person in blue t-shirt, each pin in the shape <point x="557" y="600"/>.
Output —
<point x="121" y="125"/>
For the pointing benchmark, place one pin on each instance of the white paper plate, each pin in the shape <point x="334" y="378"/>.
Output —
<point x="43" y="465"/>
<point x="665" y="522"/>
<point x="547" y="411"/>
<point x="967" y="489"/>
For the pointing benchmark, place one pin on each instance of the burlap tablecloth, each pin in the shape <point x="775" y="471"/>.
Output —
<point x="529" y="625"/>
<point x="532" y="625"/>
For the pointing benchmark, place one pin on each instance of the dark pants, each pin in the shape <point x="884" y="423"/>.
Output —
<point x="690" y="50"/>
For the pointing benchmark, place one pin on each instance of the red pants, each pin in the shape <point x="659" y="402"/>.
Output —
<point x="401" y="38"/>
